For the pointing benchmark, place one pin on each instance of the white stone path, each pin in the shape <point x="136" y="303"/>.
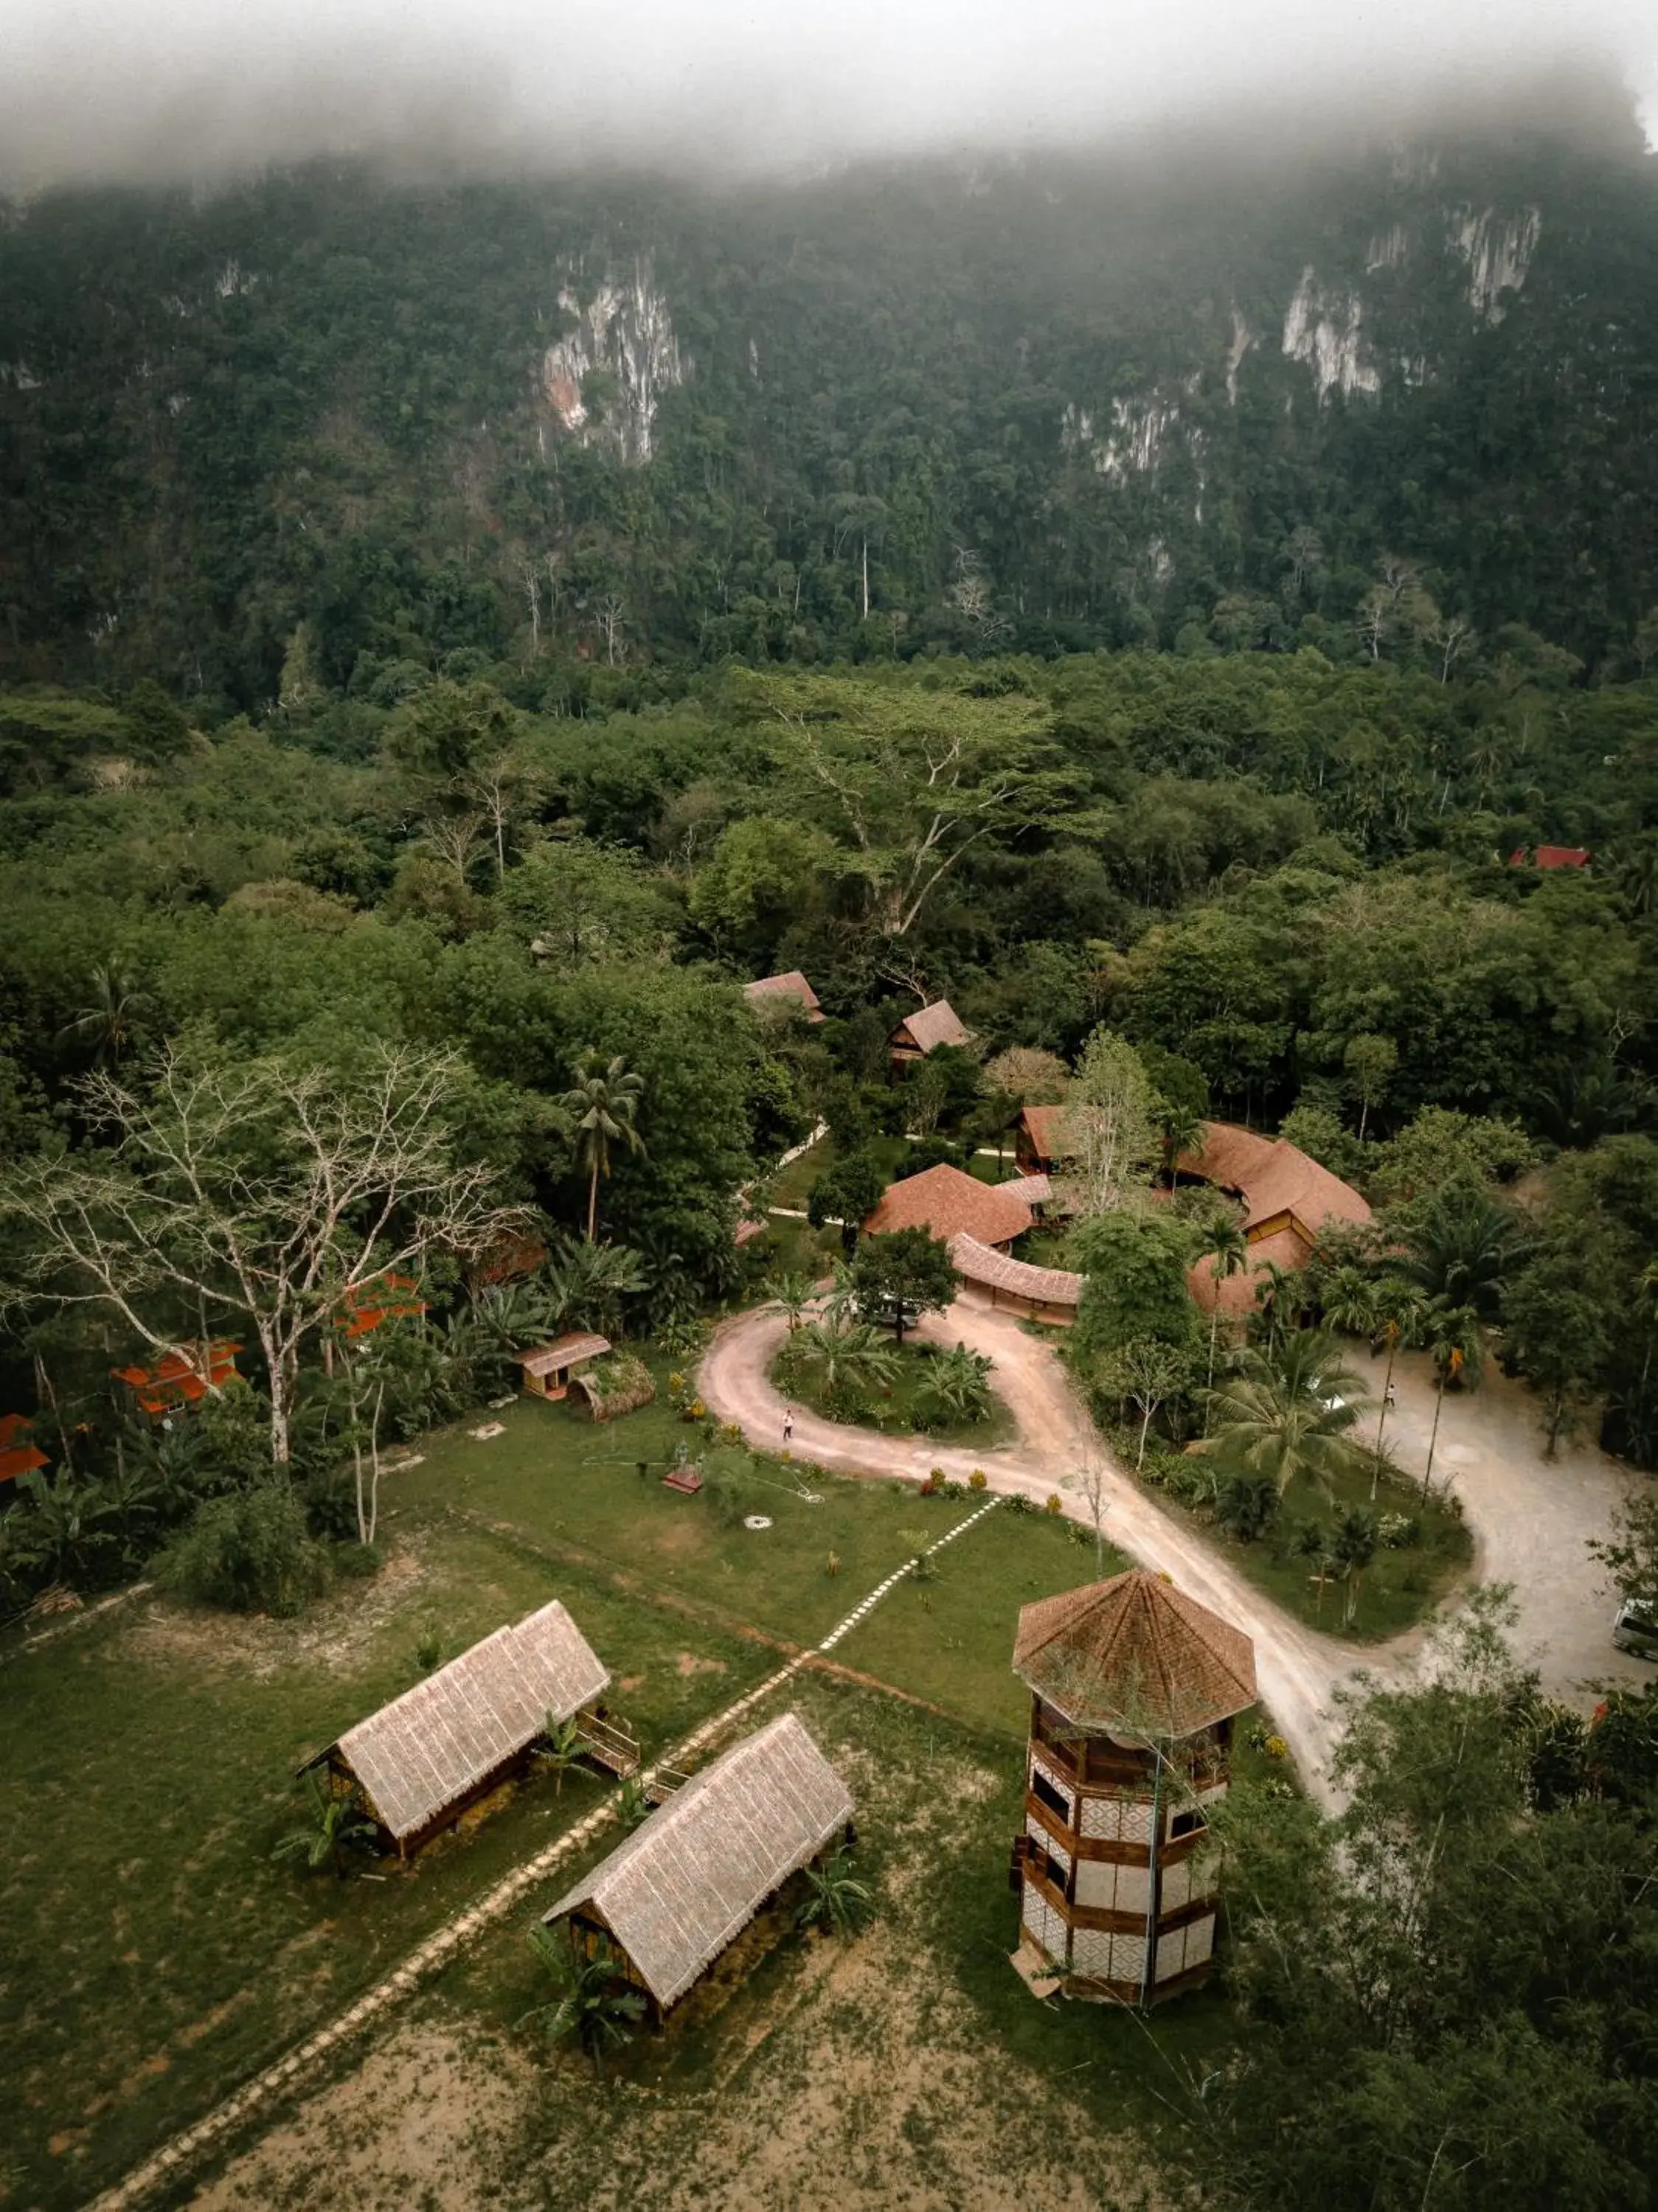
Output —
<point x="174" y="2159"/>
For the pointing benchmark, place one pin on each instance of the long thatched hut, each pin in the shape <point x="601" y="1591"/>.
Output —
<point x="670" y="1899"/>
<point x="418" y="1763"/>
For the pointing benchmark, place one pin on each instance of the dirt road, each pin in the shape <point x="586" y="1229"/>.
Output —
<point x="1298" y="1670"/>
<point x="1529" y="1519"/>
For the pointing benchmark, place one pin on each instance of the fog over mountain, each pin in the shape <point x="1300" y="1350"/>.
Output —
<point x="163" y="89"/>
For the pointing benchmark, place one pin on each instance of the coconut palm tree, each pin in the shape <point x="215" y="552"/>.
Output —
<point x="1452" y="1334"/>
<point x="604" y="1104"/>
<point x="1287" y="1415"/>
<point x="1229" y="1253"/>
<point x="1352" y="1547"/>
<point x="850" y="1357"/>
<point x="1352" y="1304"/>
<point x="1180" y="1129"/>
<point x="594" y="2004"/>
<point x="1400" y="1311"/>
<point x="111" y="1019"/>
<point x="836" y="1900"/>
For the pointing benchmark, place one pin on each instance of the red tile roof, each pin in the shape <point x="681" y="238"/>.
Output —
<point x="792" y="985"/>
<point x="1550" y="856"/>
<point x="1134" y="1650"/>
<point x="951" y="1204"/>
<point x="387" y="1297"/>
<point x="177" y="1378"/>
<point x="931" y="1026"/>
<point x="17" y="1456"/>
<point x="1272" y="1178"/>
<point x="1045" y="1127"/>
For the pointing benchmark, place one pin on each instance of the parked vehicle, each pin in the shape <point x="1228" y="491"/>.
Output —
<point x="1636" y="1630"/>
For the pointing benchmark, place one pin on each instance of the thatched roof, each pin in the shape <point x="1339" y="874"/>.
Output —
<point x="1135" y="1655"/>
<point x="791" y="985"/>
<point x="1286" y="1248"/>
<point x="688" y="1882"/>
<point x="430" y="1747"/>
<point x="1273" y="1177"/>
<point x="947" y="1203"/>
<point x="996" y="1271"/>
<point x="931" y="1026"/>
<point x="565" y="1351"/>
<point x="1045" y="1128"/>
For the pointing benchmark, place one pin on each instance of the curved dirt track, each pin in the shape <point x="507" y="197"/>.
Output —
<point x="1297" y="1668"/>
<point x="1529" y="1518"/>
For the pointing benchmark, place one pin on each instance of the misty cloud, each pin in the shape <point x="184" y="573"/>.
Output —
<point x="192" y="87"/>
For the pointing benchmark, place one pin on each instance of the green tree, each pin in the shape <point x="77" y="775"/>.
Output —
<point x="561" y="1747"/>
<point x="115" y="1018"/>
<point x="1134" y="1268"/>
<point x="594" y="2004"/>
<point x="1558" y="1329"/>
<point x="791" y="1294"/>
<point x="1289" y="1418"/>
<point x="848" y="1193"/>
<point x="604" y="1105"/>
<point x="1146" y="1373"/>
<point x="958" y="1386"/>
<point x="901" y="1275"/>
<point x="1451" y="1334"/>
<point x="1228" y="1254"/>
<point x="848" y="1360"/>
<point x="1369" y="1061"/>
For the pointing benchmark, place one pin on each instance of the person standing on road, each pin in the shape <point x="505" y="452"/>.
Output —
<point x="787" y="1425"/>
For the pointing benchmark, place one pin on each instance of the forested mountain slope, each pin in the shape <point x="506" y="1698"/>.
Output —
<point x="333" y="424"/>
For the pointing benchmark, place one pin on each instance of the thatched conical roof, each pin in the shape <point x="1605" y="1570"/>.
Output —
<point x="1133" y="1656"/>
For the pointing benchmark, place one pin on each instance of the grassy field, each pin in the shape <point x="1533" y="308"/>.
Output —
<point x="156" y="1956"/>
<point x="890" y="1408"/>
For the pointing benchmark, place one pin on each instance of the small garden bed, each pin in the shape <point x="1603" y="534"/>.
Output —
<point x="1355" y="1567"/>
<point x="915" y="1401"/>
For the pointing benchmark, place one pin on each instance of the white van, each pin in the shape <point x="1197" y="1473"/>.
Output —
<point x="1636" y="1630"/>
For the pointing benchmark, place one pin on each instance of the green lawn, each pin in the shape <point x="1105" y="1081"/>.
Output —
<point x="890" y="1408"/>
<point x="1400" y="1587"/>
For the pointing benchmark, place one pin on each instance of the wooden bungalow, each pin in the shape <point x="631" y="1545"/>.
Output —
<point x="924" y="1030"/>
<point x="550" y="1369"/>
<point x="1134" y="1688"/>
<point x="947" y="1203"/>
<point x="671" y="1898"/>
<point x="778" y="990"/>
<point x="1288" y="1199"/>
<point x="418" y="1764"/>
<point x="18" y="1455"/>
<point x="181" y="1378"/>
<point x="1039" y="1142"/>
<point x="995" y="1279"/>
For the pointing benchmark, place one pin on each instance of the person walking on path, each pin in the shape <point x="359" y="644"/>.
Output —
<point x="788" y="1425"/>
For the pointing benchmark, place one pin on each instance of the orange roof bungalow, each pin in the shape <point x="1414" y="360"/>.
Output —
<point x="386" y="1298"/>
<point x="947" y="1203"/>
<point x="924" y="1030"/>
<point x="1289" y="1201"/>
<point x="181" y="1378"/>
<point x="776" y="991"/>
<point x="1548" y="857"/>
<point x="1039" y="1139"/>
<point x="18" y="1456"/>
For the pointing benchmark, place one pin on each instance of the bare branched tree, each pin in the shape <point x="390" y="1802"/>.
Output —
<point x="255" y="1190"/>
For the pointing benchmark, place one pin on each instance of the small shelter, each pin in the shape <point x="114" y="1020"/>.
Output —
<point x="418" y="1763"/>
<point x="1134" y="1688"/>
<point x="1039" y="1139"/>
<point x="1550" y="857"/>
<point x="687" y="1883"/>
<point x="947" y="1203"/>
<point x="181" y="1377"/>
<point x="18" y="1455"/>
<point x="924" y="1030"/>
<point x="779" y="990"/>
<point x="1010" y="1286"/>
<point x="550" y="1368"/>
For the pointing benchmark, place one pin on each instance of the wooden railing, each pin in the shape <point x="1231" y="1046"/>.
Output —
<point x="612" y="1746"/>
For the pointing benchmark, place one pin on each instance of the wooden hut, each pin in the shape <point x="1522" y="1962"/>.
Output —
<point x="1042" y="1140"/>
<point x="1134" y="1687"/>
<point x="1288" y="1199"/>
<point x="924" y="1030"/>
<point x="181" y="1378"/>
<point x="775" y="992"/>
<point x="669" y="1900"/>
<point x="418" y="1763"/>
<point x="549" y="1368"/>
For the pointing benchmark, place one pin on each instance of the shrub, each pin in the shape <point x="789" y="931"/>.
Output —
<point x="1056" y="1504"/>
<point x="978" y="1479"/>
<point x="1246" y="1506"/>
<point x="955" y="1490"/>
<point x="250" y="1551"/>
<point x="331" y="1505"/>
<point x="1016" y="1502"/>
<point x="1399" y="1531"/>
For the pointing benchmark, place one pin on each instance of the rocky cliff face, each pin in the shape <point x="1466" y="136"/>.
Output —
<point x="604" y="379"/>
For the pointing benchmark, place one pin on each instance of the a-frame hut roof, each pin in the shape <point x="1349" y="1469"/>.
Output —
<point x="1133" y="1656"/>
<point x="690" y="1879"/>
<point x="790" y="985"/>
<point x="931" y="1026"/>
<point x="429" y="1748"/>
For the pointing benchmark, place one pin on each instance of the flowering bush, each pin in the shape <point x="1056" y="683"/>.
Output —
<point x="978" y="1479"/>
<point x="1056" y="1504"/>
<point x="1398" y="1530"/>
<point x="1277" y="1747"/>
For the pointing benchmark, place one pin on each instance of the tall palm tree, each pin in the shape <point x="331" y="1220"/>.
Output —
<point x="1399" y="1312"/>
<point x="1352" y="1547"/>
<point x="110" y="1022"/>
<point x="1179" y="1128"/>
<point x="1287" y="1415"/>
<point x="1229" y="1253"/>
<point x="1451" y="1334"/>
<point x="1351" y="1303"/>
<point x="604" y="1104"/>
